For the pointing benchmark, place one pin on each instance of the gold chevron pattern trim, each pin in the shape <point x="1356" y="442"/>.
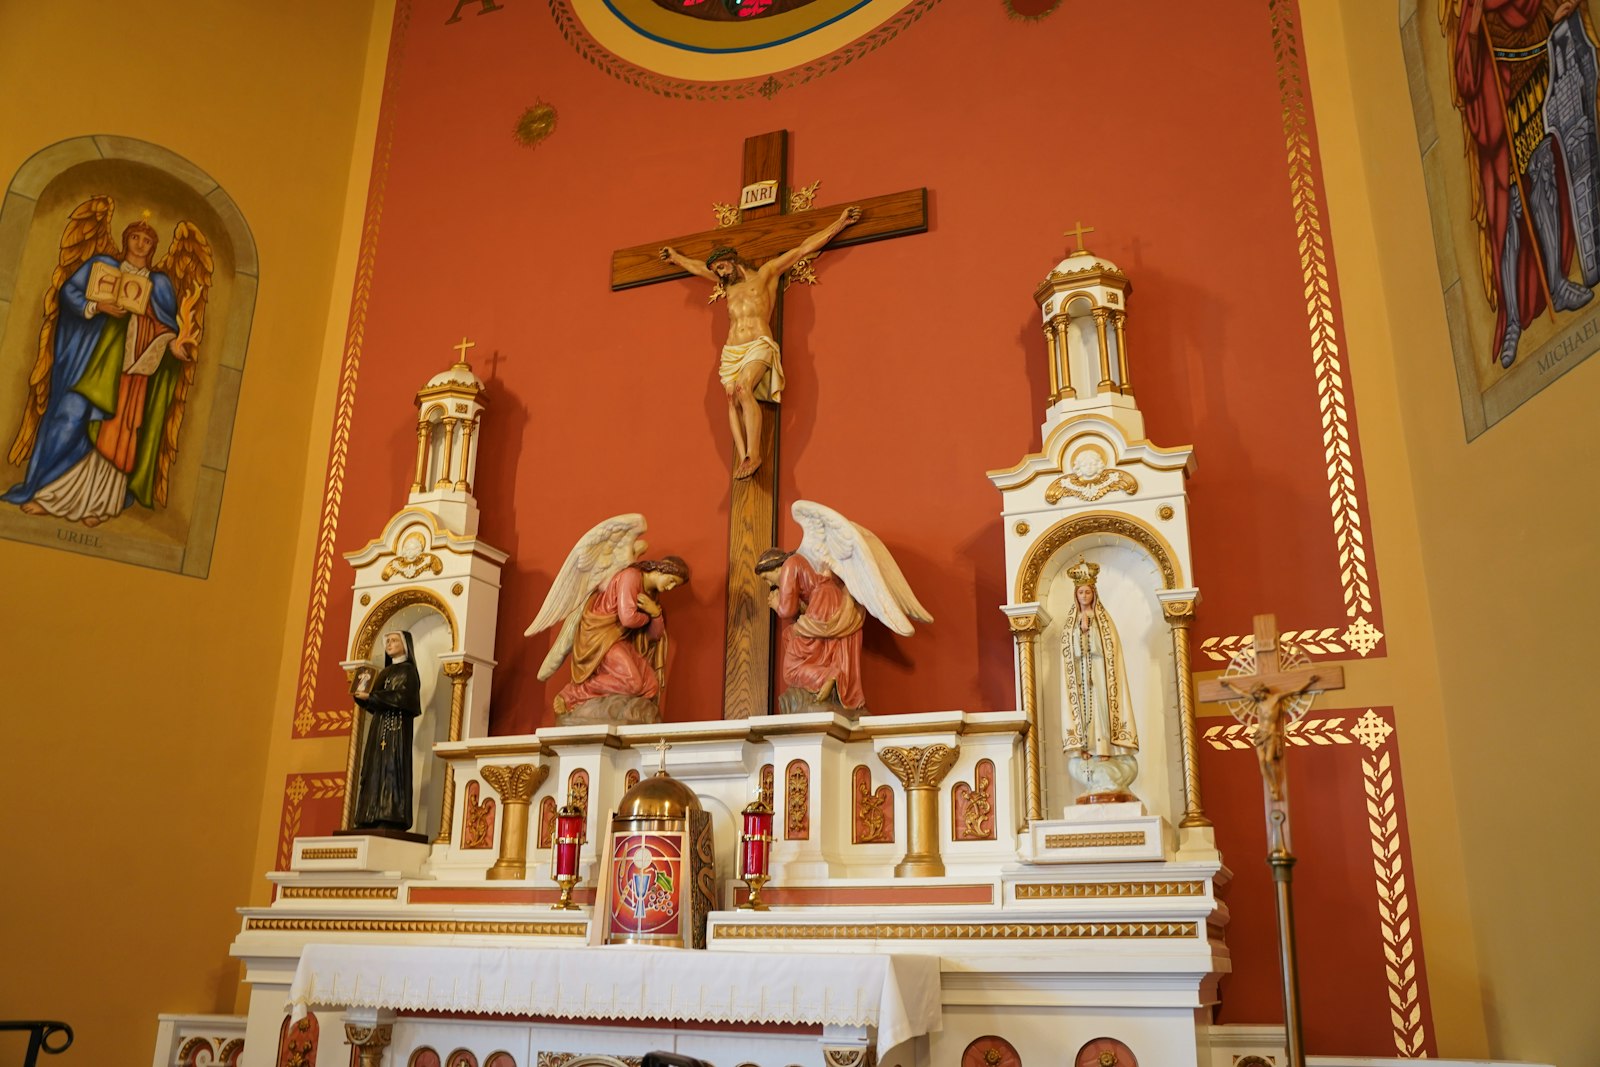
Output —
<point x="1396" y="926"/>
<point x="1326" y="358"/>
<point x="1360" y="637"/>
<point x="950" y="931"/>
<point x="1106" y="890"/>
<point x="1370" y="730"/>
<point x="300" y="787"/>
<point x="1394" y="909"/>
<point x="305" y="719"/>
<point x="417" y="926"/>
<point x="337" y="892"/>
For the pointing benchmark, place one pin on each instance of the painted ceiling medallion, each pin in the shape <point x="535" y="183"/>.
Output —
<point x="730" y="10"/>
<point x="729" y="49"/>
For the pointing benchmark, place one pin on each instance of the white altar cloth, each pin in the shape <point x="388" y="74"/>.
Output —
<point x="896" y="994"/>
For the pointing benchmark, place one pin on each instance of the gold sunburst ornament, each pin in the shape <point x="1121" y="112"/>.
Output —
<point x="535" y="124"/>
<point x="1030" y="10"/>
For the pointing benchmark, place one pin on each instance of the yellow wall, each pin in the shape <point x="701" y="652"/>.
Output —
<point x="139" y="704"/>
<point x="1488" y="572"/>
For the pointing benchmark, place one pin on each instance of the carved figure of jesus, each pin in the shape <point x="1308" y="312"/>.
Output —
<point x="750" y="368"/>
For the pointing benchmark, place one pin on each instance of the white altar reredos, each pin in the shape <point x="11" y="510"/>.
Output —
<point x="941" y="850"/>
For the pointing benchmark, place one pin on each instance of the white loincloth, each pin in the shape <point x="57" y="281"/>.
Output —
<point x="763" y="350"/>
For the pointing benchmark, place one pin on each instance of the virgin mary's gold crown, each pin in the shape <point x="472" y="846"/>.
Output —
<point x="1083" y="572"/>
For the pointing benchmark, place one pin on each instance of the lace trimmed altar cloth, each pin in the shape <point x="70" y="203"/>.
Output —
<point x="896" y="994"/>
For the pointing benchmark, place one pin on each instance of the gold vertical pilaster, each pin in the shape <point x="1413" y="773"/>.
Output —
<point x="1060" y="326"/>
<point x="1054" y="361"/>
<point x="458" y="673"/>
<point x="466" y="454"/>
<point x="350" y="784"/>
<point x="449" y="446"/>
<point x="370" y="1041"/>
<point x="1106" y="384"/>
<point x="516" y="785"/>
<point x="1180" y="613"/>
<point x="1025" y="632"/>
<point x="1117" y="319"/>
<point x="920" y="769"/>
<point x="424" y="431"/>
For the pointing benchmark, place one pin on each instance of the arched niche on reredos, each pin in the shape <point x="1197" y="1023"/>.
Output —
<point x="434" y="633"/>
<point x="1135" y="564"/>
<point x="184" y="426"/>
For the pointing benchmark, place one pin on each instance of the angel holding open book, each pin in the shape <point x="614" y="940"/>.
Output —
<point x="608" y="602"/>
<point x="824" y="590"/>
<point x="116" y="361"/>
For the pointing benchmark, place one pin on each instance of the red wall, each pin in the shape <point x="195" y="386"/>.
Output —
<point x="916" y="365"/>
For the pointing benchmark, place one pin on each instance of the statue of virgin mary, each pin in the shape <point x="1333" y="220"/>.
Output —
<point x="1099" y="735"/>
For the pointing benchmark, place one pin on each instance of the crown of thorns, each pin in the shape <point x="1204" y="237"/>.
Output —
<point x="721" y="252"/>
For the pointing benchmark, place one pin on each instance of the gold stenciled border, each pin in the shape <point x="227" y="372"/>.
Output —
<point x="305" y="717"/>
<point x="1360" y="636"/>
<point x="573" y="32"/>
<point x="1395" y="918"/>
<point x="418" y="926"/>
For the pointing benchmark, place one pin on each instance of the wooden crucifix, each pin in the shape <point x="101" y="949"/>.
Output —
<point x="767" y="228"/>
<point x="1278" y="690"/>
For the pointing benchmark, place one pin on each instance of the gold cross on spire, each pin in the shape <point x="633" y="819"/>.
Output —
<point x="661" y="756"/>
<point x="1076" y="233"/>
<point x="463" y="346"/>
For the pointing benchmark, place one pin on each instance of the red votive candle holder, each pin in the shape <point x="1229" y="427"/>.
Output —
<point x="755" y="851"/>
<point x="570" y="824"/>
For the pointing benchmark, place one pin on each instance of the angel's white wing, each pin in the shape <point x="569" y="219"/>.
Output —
<point x="602" y="552"/>
<point x="565" y="639"/>
<point x="856" y="555"/>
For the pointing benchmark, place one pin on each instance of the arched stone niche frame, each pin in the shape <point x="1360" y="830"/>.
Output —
<point x="140" y="176"/>
<point x="1140" y="575"/>
<point x="434" y="633"/>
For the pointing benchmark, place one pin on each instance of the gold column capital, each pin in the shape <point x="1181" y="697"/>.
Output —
<point x="460" y="668"/>
<point x="516" y="783"/>
<point x="370" y="1041"/>
<point x="919" y="766"/>
<point x="1025" y="625"/>
<point x="1178" y="612"/>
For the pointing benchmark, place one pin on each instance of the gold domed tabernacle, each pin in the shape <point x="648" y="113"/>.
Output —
<point x="658" y="797"/>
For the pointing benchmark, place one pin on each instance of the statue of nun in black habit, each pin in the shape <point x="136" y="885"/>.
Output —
<point x="383" y="794"/>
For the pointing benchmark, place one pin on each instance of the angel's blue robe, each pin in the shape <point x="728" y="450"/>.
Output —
<point x="87" y="359"/>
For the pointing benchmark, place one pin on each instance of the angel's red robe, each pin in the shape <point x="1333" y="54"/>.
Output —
<point x="823" y="638"/>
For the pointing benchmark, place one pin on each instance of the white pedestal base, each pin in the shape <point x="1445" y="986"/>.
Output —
<point x="359" y="852"/>
<point x="1099" y="833"/>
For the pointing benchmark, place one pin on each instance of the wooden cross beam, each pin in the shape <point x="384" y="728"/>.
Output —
<point x="762" y="232"/>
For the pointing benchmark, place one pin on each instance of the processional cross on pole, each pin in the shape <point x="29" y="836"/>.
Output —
<point x="1267" y="690"/>
<point x="768" y="225"/>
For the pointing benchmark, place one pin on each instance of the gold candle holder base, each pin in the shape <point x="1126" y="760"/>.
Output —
<point x="754" y="902"/>
<point x="566" y="882"/>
